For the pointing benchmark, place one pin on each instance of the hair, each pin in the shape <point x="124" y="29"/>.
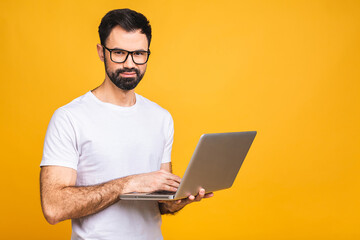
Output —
<point x="127" y="19"/>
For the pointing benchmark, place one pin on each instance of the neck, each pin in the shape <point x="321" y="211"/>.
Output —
<point x="108" y="92"/>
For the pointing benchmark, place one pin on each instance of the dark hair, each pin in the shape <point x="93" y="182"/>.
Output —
<point x="127" y="19"/>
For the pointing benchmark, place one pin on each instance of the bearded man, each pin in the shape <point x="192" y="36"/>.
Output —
<point x="111" y="141"/>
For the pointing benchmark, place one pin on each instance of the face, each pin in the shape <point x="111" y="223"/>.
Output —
<point x="127" y="75"/>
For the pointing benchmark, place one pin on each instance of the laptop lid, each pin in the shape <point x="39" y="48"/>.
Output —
<point x="214" y="166"/>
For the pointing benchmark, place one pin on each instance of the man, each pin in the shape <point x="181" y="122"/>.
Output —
<point x="111" y="141"/>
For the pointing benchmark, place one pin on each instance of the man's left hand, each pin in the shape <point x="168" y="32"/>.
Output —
<point x="174" y="206"/>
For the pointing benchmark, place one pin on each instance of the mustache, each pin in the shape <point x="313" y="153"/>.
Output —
<point x="121" y="70"/>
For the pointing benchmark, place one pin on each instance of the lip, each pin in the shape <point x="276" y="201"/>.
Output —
<point x="128" y="73"/>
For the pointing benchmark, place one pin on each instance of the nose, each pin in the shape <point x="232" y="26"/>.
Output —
<point x="129" y="63"/>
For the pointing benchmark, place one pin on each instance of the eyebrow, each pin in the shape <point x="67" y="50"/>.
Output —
<point x="128" y="50"/>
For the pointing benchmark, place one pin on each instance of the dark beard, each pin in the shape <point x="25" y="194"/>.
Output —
<point x="122" y="82"/>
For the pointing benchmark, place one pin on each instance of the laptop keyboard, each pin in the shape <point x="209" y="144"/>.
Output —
<point x="162" y="192"/>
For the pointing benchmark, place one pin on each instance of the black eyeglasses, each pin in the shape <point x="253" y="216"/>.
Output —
<point x="120" y="55"/>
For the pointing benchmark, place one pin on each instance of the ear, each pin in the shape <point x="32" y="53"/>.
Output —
<point x="100" y="50"/>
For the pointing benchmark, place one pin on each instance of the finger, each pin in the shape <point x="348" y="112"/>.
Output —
<point x="168" y="185"/>
<point x="191" y="198"/>
<point x="200" y="195"/>
<point x="178" y="179"/>
<point x="209" y="195"/>
<point x="173" y="177"/>
<point x="172" y="183"/>
<point x="168" y="188"/>
<point x="185" y="201"/>
<point x="202" y="192"/>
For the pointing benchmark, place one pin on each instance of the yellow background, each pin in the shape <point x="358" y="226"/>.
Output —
<point x="288" y="69"/>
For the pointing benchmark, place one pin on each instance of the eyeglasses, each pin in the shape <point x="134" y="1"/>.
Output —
<point x="120" y="55"/>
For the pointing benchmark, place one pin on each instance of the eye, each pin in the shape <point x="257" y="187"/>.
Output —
<point x="139" y="53"/>
<point x="119" y="52"/>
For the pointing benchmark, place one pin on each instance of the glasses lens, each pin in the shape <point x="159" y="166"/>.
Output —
<point x="140" y="57"/>
<point x="118" y="55"/>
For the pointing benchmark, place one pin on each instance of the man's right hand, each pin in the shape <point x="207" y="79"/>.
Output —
<point x="151" y="182"/>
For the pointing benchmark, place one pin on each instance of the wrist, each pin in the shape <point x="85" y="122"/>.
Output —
<point x="165" y="208"/>
<point x="126" y="184"/>
<point x="171" y="207"/>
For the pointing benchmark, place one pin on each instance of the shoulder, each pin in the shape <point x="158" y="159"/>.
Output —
<point x="77" y="103"/>
<point x="68" y="113"/>
<point x="75" y="107"/>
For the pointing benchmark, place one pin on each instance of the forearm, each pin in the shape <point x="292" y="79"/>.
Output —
<point x="61" y="199"/>
<point x="68" y="202"/>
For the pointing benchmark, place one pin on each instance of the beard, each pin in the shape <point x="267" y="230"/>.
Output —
<point x="125" y="83"/>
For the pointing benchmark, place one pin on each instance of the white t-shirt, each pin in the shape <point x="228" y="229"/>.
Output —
<point x="103" y="141"/>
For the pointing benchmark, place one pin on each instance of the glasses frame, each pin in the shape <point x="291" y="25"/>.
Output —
<point x="127" y="55"/>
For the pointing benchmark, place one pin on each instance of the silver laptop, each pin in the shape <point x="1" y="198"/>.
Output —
<point x="214" y="165"/>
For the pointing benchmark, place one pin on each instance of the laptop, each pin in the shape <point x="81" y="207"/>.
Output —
<point x="214" y="166"/>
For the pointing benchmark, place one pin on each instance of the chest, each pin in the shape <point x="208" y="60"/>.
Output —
<point x="115" y="147"/>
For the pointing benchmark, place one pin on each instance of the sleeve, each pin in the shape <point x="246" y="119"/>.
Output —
<point x="60" y="146"/>
<point x="169" y="141"/>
